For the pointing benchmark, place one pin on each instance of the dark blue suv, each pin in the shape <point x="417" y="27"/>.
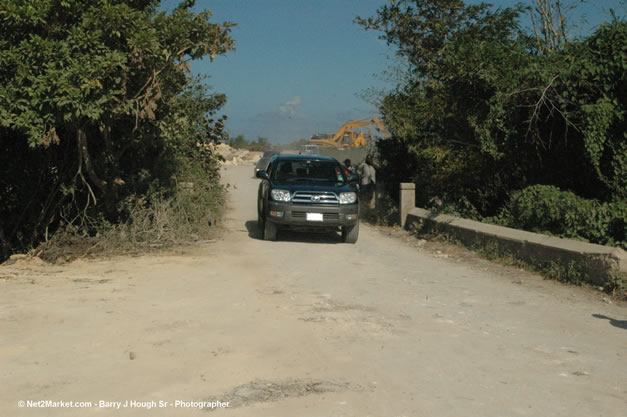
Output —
<point x="307" y="192"/>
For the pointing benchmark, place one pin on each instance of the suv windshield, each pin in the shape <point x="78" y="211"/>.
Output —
<point x="309" y="171"/>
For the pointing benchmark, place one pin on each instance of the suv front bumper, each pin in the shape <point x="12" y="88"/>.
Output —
<point x="301" y="215"/>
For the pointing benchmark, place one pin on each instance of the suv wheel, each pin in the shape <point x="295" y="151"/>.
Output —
<point x="350" y="233"/>
<point x="260" y="220"/>
<point x="269" y="230"/>
<point x="260" y="227"/>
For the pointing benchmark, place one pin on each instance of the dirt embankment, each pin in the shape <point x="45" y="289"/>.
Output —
<point x="237" y="157"/>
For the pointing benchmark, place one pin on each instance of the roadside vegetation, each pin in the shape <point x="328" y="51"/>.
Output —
<point x="240" y="142"/>
<point x="493" y="121"/>
<point x="106" y="138"/>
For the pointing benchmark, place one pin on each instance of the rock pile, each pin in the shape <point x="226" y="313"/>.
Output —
<point x="234" y="156"/>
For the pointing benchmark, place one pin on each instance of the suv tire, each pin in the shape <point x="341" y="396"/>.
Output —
<point x="269" y="230"/>
<point x="350" y="233"/>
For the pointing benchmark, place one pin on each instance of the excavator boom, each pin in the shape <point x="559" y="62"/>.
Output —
<point x="355" y="139"/>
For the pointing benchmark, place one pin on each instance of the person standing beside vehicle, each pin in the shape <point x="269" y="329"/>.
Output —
<point x="349" y="169"/>
<point x="367" y="172"/>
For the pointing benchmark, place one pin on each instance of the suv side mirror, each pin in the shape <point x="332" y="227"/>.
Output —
<point x="262" y="174"/>
<point x="353" y="179"/>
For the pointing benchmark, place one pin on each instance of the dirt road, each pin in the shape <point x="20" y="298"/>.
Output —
<point x="305" y="326"/>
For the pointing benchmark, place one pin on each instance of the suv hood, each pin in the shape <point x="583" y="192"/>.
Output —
<point x="291" y="187"/>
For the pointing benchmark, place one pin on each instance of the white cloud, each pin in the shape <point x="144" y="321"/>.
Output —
<point x="293" y="102"/>
<point x="289" y="107"/>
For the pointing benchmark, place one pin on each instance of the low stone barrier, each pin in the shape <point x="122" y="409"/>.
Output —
<point x="602" y="265"/>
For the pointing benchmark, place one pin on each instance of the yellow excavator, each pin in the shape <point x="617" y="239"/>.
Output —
<point x="346" y="136"/>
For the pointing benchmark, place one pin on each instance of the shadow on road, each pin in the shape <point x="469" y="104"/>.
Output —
<point x="254" y="232"/>
<point x="621" y="324"/>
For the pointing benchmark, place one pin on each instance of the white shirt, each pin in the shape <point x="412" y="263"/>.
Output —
<point x="367" y="174"/>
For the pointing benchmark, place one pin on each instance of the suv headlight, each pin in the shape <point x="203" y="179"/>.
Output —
<point x="348" y="198"/>
<point x="280" y="195"/>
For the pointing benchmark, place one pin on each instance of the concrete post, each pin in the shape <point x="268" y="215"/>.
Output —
<point x="407" y="200"/>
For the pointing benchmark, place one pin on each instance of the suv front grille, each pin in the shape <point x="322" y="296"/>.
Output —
<point x="312" y="197"/>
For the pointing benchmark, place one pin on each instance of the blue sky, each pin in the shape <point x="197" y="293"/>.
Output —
<point x="300" y="65"/>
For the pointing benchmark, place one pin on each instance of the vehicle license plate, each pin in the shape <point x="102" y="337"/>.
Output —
<point x="314" y="217"/>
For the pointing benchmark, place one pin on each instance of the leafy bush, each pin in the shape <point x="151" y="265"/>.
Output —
<point x="547" y="209"/>
<point x="240" y="142"/>
<point x="170" y="211"/>
<point x="461" y="208"/>
<point x="386" y="212"/>
<point x="101" y="118"/>
<point x="483" y="108"/>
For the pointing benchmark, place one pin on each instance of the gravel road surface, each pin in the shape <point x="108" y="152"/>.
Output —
<point x="305" y="326"/>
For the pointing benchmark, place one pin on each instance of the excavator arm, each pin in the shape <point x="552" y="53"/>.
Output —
<point x="355" y="139"/>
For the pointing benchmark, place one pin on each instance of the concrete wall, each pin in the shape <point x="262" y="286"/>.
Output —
<point x="599" y="263"/>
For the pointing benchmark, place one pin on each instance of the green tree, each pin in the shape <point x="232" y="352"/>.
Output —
<point x="102" y="93"/>
<point x="595" y="90"/>
<point x="238" y="142"/>
<point x="485" y="109"/>
<point x="260" y="145"/>
<point x="456" y="55"/>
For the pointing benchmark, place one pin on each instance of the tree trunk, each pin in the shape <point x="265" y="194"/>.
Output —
<point x="83" y="151"/>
